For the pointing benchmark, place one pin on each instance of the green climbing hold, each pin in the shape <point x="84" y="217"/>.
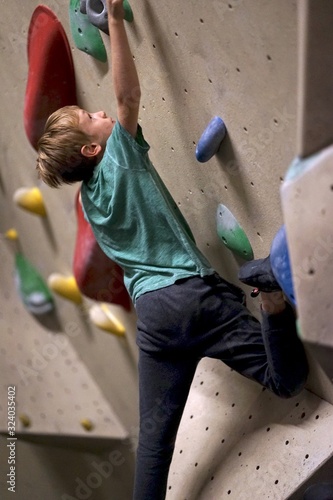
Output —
<point x="86" y="36"/>
<point x="31" y="287"/>
<point x="128" y="16"/>
<point x="232" y="234"/>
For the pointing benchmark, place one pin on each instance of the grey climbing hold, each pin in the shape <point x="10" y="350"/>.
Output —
<point x="210" y="140"/>
<point x="83" y="6"/>
<point x="97" y="13"/>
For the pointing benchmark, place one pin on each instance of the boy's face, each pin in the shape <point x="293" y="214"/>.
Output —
<point x="97" y="126"/>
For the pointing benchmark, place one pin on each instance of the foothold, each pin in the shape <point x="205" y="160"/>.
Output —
<point x="51" y="79"/>
<point x="87" y="424"/>
<point x="103" y="318"/>
<point x="97" y="13"/>
<point x="280" y="262"/>
<point x="86" y="36"/>
<point x="30" y="199"/>
<point x="232" y="234"/>
<point x="25" y="420"/>
<point x="210" y="141"/>
<point x="11" y="234"/>
<point x="97" y="276"/>
<point x="65" y="286"/>
<point x="31" y="287"/>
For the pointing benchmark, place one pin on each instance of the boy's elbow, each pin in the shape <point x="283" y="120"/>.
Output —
<point x="129" y="100"/>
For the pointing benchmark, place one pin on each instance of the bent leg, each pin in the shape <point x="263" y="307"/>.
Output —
<point x="269" y="352"/>
<point x="164" y="384"/>
<point x="285" y="352"/>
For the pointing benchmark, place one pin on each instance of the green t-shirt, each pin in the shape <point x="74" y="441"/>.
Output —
<point x="135" y="220"/>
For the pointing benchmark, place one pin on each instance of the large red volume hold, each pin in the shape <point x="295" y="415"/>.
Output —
<point x="51" y="79"/>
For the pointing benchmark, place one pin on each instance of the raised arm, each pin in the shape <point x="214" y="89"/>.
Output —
<point x="125" y="78"/>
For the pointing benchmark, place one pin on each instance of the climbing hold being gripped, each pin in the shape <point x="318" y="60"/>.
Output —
<point x="98" y="14"/>
<point x="210" y="141"/>
<point x="232" y="234"/>
<point x="86" y="36"/>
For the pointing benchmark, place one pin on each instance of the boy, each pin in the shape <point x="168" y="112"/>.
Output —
<point x="185" y="310"/>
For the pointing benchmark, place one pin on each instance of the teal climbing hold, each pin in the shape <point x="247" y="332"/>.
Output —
<point x="210" y="140"/>
<point x="31" y="287"/>
<point x="86" y="36"/>
<point x="232" y="234"/>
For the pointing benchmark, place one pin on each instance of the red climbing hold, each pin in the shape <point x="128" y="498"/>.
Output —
<point x="97" y="276"/>
<point x="51" y="78"/>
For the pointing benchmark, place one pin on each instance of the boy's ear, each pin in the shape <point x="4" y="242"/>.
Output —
<point x="90" y="150"/>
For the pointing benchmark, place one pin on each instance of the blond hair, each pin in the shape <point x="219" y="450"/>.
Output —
<point x="60" y="160"/>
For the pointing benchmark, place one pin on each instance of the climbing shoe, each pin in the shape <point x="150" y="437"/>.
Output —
<point x="258" y="274"/>
<point x="319" y="491"/>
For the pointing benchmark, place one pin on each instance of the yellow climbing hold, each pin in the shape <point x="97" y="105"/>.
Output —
<point x="102" y="317"/>
<point x="25" y="420"/>
<point x="87" y="424"/>
<point x="11" y="234"/>
<point x="30" y="199"/>
<point x="65" y="286"/>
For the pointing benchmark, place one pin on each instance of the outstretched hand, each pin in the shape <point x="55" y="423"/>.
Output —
<point x="115" y="9"/>
<point x="126" y="85"/>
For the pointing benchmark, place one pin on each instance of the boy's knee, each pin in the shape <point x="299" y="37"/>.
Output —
<point x="290" y="391"/>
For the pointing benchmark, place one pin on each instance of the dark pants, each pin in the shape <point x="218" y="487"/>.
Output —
<point x="179" y="325"/>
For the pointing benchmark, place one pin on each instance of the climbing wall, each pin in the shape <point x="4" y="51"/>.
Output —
<point x="306" y="192"/>
<point x="196" y="60"/>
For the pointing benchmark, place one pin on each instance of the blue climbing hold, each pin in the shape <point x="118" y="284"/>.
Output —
<point x="210" y="141"/>
<point x="280" y="262"/>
